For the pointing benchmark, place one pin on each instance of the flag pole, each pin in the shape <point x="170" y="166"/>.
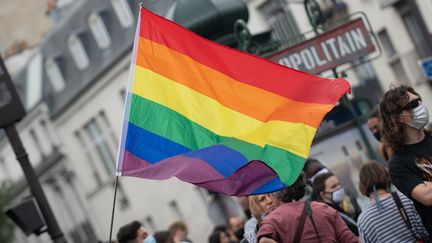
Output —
<point x="140" y="4"/>
<point x="113" y="208"/>
<point x="120" y="155"/>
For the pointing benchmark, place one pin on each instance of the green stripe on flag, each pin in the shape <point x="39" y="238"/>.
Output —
<point x="169" y="124"/>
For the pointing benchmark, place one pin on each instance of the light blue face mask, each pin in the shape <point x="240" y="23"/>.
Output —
<point x="149" y="239"/>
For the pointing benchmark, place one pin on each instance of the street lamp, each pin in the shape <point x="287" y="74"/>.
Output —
<point x="315" y="14"/>
<point x="12" y="111"/>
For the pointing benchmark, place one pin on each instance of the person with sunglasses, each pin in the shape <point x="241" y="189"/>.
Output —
<point x="403" y="119"/>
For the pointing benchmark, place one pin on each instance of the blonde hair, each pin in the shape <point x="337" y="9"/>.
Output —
<point x="255" y="208"/>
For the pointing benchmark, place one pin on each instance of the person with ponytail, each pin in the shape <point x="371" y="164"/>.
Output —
<point x="389" y="217"/>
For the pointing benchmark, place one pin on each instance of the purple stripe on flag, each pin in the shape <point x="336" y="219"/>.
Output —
<point x="243" y="181"/>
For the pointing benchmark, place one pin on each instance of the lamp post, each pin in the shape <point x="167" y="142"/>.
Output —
<point x="314" y="13"/>
<point x="242" y="35"/>
<point x="12" y="111"/>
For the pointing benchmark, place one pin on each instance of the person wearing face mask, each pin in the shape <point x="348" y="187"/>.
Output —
<point x="403" y="119"/>
<point x="373" y="124"/>
<point x="327" y="189"/>
<point x="312" y="168"/>
<point x="301" y="221"/>
<point x="134" y="232"/>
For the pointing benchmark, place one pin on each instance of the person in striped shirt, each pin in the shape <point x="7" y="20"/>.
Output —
<point x="381" y="220"/>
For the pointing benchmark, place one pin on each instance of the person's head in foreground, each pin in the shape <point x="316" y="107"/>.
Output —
<point x="134" y="232"/>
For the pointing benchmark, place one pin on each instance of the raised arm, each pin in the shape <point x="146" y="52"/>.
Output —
<point x="423" y="193"/>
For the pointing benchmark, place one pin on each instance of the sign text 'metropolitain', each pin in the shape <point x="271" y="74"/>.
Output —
<point x="329" y="50"/>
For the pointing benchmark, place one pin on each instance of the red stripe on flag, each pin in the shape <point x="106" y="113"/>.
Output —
<point x="249" y="69"/>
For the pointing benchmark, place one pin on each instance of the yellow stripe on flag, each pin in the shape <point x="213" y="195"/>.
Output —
<point x="207" y="112"/>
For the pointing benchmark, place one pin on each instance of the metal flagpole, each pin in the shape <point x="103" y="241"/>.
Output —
<point x="140" y="4"/>
<point x="113" y="207"/>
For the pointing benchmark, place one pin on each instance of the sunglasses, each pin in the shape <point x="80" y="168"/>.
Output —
<point x="411" y="105"/>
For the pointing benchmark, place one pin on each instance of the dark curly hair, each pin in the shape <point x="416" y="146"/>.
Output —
<point x="390" y="106"/>
<point x="294" y="192"/>
<point x="128" y="232"/>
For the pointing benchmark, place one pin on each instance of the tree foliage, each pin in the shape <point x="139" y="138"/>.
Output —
<point x="6" y="226"/>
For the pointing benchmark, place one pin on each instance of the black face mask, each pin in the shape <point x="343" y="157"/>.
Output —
<point x="377" y="136"/>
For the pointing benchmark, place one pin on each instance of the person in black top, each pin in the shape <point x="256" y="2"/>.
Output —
<point x="403" y="119"/>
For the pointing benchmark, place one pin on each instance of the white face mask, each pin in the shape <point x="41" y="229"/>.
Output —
<point x="149" y="239"/>
<point x="420" y="116"/>
<point x="338" y="195"/>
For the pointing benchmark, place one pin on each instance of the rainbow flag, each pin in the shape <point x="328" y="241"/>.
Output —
<point x="217" y="117"/>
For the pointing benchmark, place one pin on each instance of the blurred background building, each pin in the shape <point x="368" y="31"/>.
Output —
<point x="70" y="62"/>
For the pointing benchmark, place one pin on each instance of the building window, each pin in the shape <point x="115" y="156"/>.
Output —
<point x="47" y="126"/>
<point x="123" y="13"/>
<point x="203" y="194"/>
<point x="151" y="224"/>
<point x="414" y="28"/>
<point x="91" y="161"/>
<point x="176" y="210"/>
<point x="37" y="142"/>
<point x="55" y="75"/>
<point x="399" y="72"/>
<point x="280" y="18"/>
<point x="123" y="199"/>
<point x="394" y="59"/>
<point x="387" y="44"/>
<point x="99" y="142"/>
<point x="123" y="94"/>
<point x="34" y="80"/>
<point x="40" y="137"/>
<point x="78" y="52"/>
<point x="99" y="30"/>
<point x="365" y="72"/>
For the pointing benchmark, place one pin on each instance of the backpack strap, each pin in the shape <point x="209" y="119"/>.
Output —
<point x="401" y="210"/>
<point x="301" y="224"/>
<point x="404" y="214"/>
<point x="309" y="213"/>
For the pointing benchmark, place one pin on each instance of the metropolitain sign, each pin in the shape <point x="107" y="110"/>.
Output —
<point x="329" y="50"/>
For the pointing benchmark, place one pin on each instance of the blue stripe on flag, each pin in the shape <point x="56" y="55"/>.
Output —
<point x="153" y="148"/>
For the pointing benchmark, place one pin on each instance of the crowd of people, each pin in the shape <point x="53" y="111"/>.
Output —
<point x="317" y="208"/>
<point x="134" y="232"/>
